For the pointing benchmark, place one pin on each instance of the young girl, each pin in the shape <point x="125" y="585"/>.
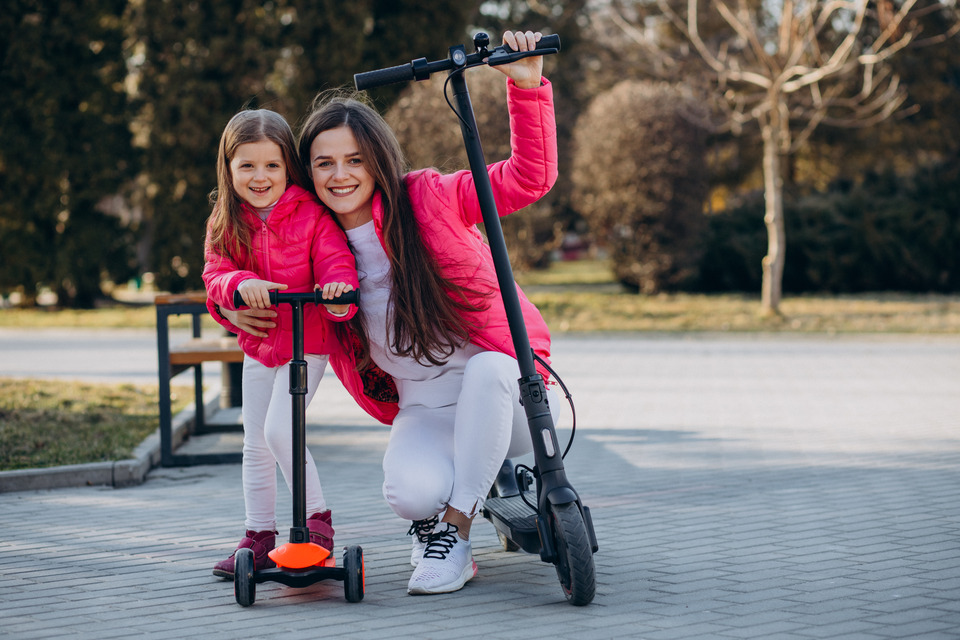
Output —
<point x="268" y="232"/>
<point x="432" y="318"/>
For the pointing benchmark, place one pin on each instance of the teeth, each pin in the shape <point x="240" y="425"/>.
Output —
<point x="342" y="190"/>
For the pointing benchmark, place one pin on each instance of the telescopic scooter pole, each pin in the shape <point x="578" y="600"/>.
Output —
<point x="556" y="488"/>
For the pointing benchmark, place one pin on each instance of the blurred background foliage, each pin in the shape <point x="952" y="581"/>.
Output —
<point x="113" y="108"/>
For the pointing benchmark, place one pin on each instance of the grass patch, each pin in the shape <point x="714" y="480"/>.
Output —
<point x="582" y="296"/>
<point x="46" y="423"/>
<point x="568" y="273"/>
<point x="115" y="317"/>
<point x="604" y="311"/>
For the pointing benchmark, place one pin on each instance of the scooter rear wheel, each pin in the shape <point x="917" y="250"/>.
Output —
<point x="574" y="562"/>
<point x="244" y="585"/>
<point x="354" y="576"/>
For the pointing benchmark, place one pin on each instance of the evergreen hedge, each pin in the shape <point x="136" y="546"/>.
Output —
<point x="884" y="234"/>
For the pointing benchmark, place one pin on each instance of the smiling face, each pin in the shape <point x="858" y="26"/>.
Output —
<point x="259" y="173"/>
<point x="340" y="178"/>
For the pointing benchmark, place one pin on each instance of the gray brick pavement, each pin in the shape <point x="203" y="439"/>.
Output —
<point x="742" y="487"/>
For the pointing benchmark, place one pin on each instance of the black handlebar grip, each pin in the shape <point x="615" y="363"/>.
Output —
<point x="551" y="41"/>
<point x="349" y="297"/>
<point x="276" y="297"/>
<point x="504" y="54"/>
<point x="380" y="77"/>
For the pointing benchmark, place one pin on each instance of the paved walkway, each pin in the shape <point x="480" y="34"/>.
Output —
<point x="742" y="487"/>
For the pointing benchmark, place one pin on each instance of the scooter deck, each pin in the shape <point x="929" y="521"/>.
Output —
<point x="299" y="578"/>
<point x="515" y="519"/>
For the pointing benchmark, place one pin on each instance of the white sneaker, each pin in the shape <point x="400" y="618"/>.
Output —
<point x="420" y="530"/>
<point x="447" y="563"/>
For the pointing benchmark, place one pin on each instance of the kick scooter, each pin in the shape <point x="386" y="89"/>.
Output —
<point x="557" y="525"/>
<point x="300" y="563"/>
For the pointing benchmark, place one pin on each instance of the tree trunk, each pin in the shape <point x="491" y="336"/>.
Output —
<point x="772" y="286"/>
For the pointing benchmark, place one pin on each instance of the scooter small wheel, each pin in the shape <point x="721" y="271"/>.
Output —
<point x="354" y="579"/>
<point x="574" y="561"/>
<point x="244" y="585"/>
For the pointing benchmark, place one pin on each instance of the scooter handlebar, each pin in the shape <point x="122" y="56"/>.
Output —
<point x="420" y="69"/>
<point x="316" y="297"/>
<point x="503" y="54"/>
<point x="381" y="77"/>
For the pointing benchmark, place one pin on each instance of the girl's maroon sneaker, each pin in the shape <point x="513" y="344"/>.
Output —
<point x="262" y="542"/>
<point x="321" y="529"/>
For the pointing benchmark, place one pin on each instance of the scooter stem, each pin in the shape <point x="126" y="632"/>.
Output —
<point x="299" y="533"/>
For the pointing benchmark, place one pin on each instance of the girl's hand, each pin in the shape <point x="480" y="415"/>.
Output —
<point x="332" y="290"/>
<point x="526" y="72"/>
<point x="252" y="321"/>
<point x="256" y="293"/>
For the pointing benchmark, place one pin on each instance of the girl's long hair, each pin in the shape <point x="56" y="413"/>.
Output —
<point x="429" y="311"/>
<point x="227" y="233"/>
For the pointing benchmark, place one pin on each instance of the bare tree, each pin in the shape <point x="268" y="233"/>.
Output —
<point x="793" y="66"/>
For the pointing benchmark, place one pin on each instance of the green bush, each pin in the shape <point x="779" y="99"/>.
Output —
<point x="639" y="180"/>
<point x="886" y="234"/>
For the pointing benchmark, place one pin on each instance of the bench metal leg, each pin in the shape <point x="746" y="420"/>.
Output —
<point x="163" y="391"/>
<point x="165" y="372"/>
<point x="199" y="418"/>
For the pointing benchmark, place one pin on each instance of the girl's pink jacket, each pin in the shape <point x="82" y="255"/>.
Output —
<point x="299" y="245"/>
<point x="448" y="211"/>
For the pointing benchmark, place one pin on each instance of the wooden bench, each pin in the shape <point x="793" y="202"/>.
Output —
<point x="190" y="354"/>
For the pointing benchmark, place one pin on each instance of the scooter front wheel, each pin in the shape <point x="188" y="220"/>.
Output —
<point x="244" y="585"/>
<point x="574" y="561"/>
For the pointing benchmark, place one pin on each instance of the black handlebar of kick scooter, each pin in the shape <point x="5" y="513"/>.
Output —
<point x="420" y="69"/>
<point x="277" y="297"/>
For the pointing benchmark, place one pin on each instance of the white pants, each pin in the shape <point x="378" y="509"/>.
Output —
<point x="268" y="440"/>
<point x="450" y="455"/>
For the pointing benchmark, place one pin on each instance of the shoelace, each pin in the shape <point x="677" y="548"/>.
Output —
<point x="440" y="543"/>
<point x="423" y="528"/>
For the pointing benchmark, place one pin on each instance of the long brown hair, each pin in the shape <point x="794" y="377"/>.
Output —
<point x="227" y="234"/>
<point x="429" y="311"/>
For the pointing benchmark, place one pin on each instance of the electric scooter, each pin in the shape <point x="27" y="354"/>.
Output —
<point x="557" y="525"/>
<point x="300" y="563"/>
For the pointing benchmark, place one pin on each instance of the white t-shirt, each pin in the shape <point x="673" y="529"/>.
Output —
<point x="430" y="386"/>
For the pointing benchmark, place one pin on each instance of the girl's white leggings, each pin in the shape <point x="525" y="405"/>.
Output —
<point x="450" y="455"/>
<point x="268" y="440"/>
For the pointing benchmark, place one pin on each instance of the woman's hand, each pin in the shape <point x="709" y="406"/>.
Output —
<point x="332" y="290"/>
<point x="526" y="72"/>
<point x="252" y="321"/>
<point x="256" y="293"/>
